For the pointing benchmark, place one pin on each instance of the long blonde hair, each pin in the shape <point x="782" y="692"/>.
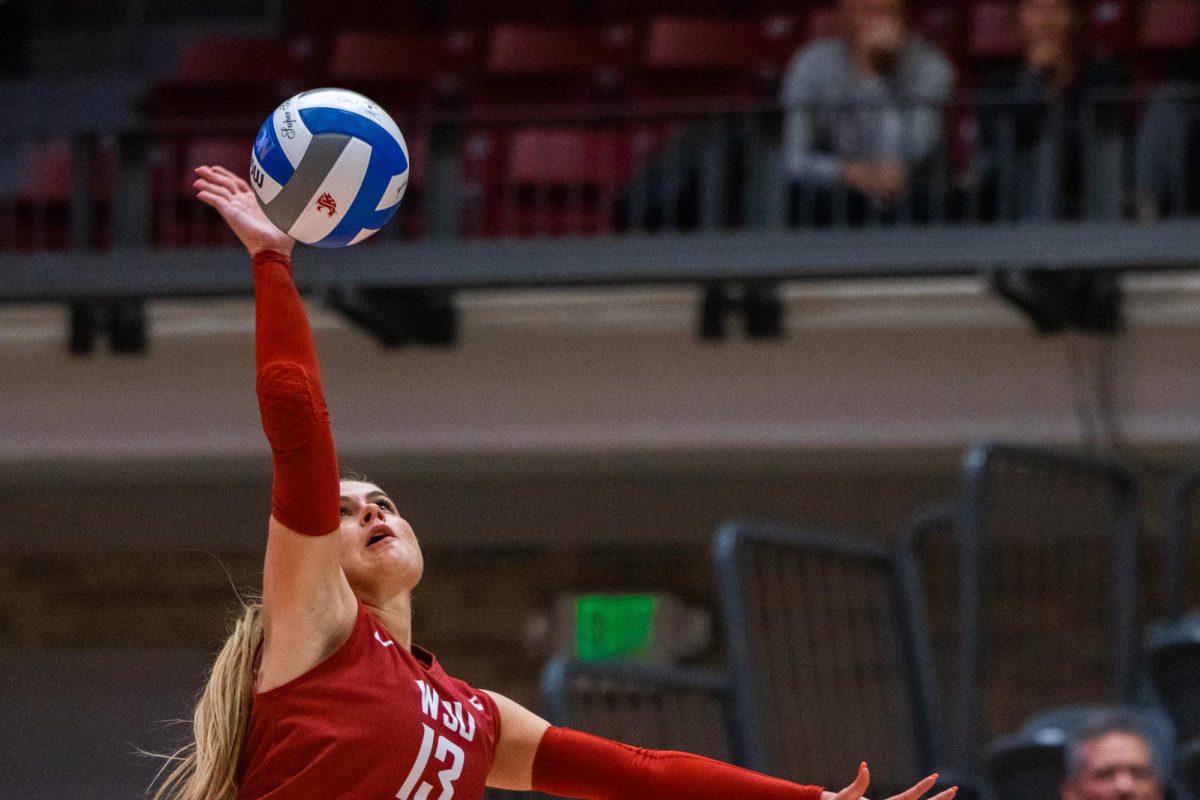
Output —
<point x="206" y="767"/>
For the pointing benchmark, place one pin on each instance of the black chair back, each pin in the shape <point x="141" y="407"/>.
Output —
<point x="825" y="667"/>
<point x="1048" y="592"/>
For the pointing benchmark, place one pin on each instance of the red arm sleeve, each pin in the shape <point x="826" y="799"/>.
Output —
<point x="573" y="764"/>
<point x="305" y="492"/>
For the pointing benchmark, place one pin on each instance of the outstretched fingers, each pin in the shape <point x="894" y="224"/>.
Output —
<point x="858" y="788"/>
<point x="923" y="786"/>
<point x="223" y="177"/>
<point x="946" y="795"/>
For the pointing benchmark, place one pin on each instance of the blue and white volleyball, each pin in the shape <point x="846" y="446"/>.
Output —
<point x="329" y="167"/>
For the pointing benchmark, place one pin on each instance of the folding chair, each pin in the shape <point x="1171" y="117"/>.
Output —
<point x="663" y="709"/>
<point x="1181" y="589"/>
<point x="1049" y="587"/>
<point x="827" y="654"/>
<point x="1173" y="667"/>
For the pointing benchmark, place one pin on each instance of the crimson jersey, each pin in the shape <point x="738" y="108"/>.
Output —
<point x="373" y="720"/>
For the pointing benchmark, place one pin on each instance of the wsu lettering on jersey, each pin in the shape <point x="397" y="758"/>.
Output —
<point x="452" y="714"/>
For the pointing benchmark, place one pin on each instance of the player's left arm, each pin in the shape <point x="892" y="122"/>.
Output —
<point x="533" y="755"/>
<point x="521" y="732"/>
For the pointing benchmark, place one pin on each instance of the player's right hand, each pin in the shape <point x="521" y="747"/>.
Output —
<point x="234" y="200"/>
<point x="856" y="789"/>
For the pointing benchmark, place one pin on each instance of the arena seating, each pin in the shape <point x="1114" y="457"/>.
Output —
<point x="1173" y="662"/>
<point x="644" y="706"/>
<point x="822" y="675"/>
<point x="1016" y="498"/>
<point x="224" y="84"/>
<point x="537" y="65"/>
<point x="1181" y="516"/>
<point x="1077" y="519"/>
<point x="566" y="64"/>
<point x="431" y="74"/>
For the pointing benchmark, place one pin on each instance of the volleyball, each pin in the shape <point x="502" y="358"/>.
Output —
<point x="329" y="167"/>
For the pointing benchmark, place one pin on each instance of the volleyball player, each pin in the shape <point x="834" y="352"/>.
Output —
<point x="319" y="692"/>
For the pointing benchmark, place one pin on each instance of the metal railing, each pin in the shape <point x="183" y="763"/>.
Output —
<point x="678" y="168"/>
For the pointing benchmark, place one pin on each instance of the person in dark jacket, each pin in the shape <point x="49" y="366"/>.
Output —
<point x="1051" y="127"/>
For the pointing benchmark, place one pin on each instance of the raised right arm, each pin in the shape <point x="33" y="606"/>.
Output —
<point x="308" y="606"/>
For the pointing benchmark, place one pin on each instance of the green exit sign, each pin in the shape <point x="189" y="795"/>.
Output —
<point x="613" y="625"/>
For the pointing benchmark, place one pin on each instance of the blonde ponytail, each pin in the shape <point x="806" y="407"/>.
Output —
<point x="206" y="768"/>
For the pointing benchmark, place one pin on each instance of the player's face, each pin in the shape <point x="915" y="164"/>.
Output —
<point x="1115" y="767"/>
<point x="379" y="551"/>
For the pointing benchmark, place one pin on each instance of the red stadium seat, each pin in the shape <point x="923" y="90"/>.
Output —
<point x="539" y="64"/>
<point x="993" y="30"/>
<point x="224" y="85"/>
<point x="231" y="153"/>
<point x="544" y="50"/>
<point x="619" y="10"/>
<point x="564" y="181"/>
<point x="569" y="156"/>
<point x="484" y="13"/>
<point x="823" y="22"/>
<point x="244" y="61"/>
<point x="1169" y="25"/>
<point x="700" y="44"/>
<point x="36" y="203"/>
<point x="179" y="219"/>
<point x="1108" y="28"/>
<point x="943" y="23"/>
<point x="321" y="16"/>
<point x="406" y="73"/>
<point x="781" y="34"/>
<point x="688" y="57"/>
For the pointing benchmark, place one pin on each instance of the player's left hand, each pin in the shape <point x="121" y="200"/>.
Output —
<point x="856" y="790"/>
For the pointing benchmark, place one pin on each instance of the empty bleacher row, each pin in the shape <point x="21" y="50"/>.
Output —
<point x="996" y="624"/>
<point x="636" y="120"/>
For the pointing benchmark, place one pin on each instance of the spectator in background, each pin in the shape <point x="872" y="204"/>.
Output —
<point x="864" y="113"/>
<point x="1050" y="129"/>
<point x="1167" y="158"/>
<point x="1111" y="757"/>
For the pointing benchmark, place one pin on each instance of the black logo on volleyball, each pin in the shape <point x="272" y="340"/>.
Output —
<point x="256" y="175"/>
<point x="287" y="128"/>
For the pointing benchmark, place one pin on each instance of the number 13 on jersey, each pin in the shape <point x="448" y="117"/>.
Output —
<point x="448" y="753"/>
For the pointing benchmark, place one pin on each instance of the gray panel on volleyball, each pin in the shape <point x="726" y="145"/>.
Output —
<point x="825" y="670"/>
<point x="1181" y="518"/>
<point x="1049" y="588"/>
<point x="662" y="709"/>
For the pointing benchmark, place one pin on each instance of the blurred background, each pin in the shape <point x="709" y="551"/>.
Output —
<point x="789" y="382"/>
